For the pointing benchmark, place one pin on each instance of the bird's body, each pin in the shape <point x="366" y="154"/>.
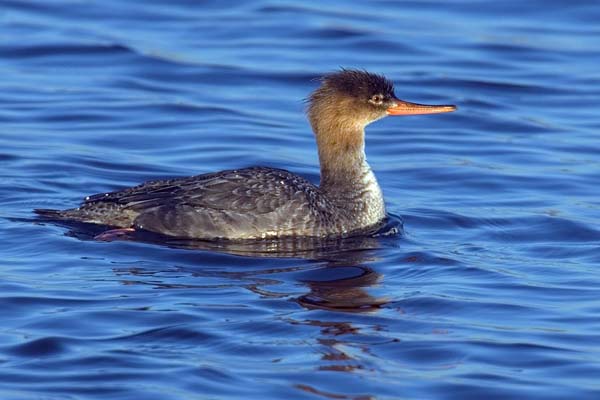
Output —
<point x="250" y="203"/>
<point x="262" y="202"/>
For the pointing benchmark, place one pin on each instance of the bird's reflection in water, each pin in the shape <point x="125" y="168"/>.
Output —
<point x="338" y="278"/>
<point x="342" y="288"/>
<point x="341" y="284"/>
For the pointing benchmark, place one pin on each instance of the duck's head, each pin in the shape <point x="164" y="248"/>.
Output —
<point x="353" y="98"/>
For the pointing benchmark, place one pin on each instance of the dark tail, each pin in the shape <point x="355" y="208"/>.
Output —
<point x="97" y="215"/>
<point x="51" y="214"/>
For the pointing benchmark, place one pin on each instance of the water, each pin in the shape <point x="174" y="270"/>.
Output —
<point x="492" y="291"/>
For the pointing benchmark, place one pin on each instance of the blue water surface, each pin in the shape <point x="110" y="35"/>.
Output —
<point x="493" y="290"/>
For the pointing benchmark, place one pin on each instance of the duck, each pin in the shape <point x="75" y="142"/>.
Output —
<point x="270" y="203"/>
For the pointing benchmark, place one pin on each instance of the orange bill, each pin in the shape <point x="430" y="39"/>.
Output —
<point x="407" y="108"/>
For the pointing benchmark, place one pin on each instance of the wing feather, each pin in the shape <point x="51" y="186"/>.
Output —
<point x="244" y="203"/>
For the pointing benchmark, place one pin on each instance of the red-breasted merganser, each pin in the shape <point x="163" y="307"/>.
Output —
<point x="262" y="202"/>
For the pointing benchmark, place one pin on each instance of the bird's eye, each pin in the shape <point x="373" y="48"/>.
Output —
<point x="376" y="99"/>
